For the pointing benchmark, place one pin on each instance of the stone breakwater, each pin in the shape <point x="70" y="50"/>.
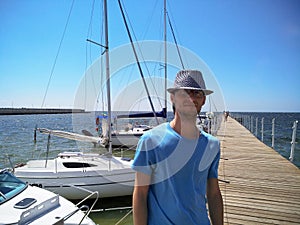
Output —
<point x="26" y="111"/>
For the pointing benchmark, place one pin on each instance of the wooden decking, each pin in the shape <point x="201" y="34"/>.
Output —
<point x="264" y="187"/>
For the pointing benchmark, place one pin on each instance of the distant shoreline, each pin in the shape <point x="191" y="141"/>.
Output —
<point x="28" y="111"/>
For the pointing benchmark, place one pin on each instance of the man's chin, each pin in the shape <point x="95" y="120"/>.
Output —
<point x="189" y="113"/>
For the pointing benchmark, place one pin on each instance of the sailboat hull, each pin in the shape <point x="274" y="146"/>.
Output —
<point x="68" y="175"/>
<point x="125" y="140"/>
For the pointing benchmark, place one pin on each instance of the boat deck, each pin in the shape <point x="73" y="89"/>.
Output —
<point x="263" y="188"/>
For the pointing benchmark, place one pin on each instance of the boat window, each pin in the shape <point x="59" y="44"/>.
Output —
<point x="10" y="186"/>
<point x="77" y="164"/>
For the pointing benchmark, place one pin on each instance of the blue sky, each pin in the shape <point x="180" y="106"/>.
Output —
<point x="252" y="47"/>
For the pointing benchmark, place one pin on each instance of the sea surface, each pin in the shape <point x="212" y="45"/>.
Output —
<point x="17" y="143"/>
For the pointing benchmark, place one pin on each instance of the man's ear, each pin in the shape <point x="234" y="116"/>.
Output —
<point x="172" y="98"/>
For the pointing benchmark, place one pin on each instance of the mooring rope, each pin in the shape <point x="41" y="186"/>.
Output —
<point x="124" y="217"/>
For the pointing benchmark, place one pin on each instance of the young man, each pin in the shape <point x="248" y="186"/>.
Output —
<point x="177" y="165"/>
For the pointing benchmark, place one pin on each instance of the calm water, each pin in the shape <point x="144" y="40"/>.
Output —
<point x="16" y="141"/>
<point x="17" y="132"/>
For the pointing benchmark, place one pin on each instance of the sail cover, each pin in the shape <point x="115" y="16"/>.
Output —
<point x="143" y="115"/>
<point x="70" y="135"/>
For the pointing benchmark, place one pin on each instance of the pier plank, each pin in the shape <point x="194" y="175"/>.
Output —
<point x="264" y="187"/>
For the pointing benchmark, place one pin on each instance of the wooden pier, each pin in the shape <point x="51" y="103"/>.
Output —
<point x="263" y="188"/>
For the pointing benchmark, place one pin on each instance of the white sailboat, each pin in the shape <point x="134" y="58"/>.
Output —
<point x="67" y="173"/>
<point x="23" y="204"/>
<point x="129" y="136"/>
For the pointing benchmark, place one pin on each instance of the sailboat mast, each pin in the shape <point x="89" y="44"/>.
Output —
<point x="165" y="41"/>
<point x="107" y="75"/>
<point x="138" y="62"/>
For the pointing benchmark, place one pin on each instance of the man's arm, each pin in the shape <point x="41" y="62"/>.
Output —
<point x="215" y="202"/>
<point x="140" y="195"/>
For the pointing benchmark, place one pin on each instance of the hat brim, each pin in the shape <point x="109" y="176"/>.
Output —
<point x="206" y="91"/>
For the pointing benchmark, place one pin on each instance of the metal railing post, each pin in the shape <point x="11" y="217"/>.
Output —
<point x="293" y="143"/>
<point x="248" y="123"/>
<point x="273" y="131"/>
<point x="256" y="126"/>
<point x="262" y="129"/>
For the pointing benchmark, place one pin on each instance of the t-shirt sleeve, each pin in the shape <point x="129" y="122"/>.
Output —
<point x="142" y="161"/>
<point x="213" y="171"/>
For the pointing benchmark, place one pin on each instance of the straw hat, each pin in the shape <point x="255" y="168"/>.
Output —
<point x="189" y="79"/>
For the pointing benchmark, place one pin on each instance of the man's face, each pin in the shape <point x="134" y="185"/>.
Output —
<point x="188" y="102"/>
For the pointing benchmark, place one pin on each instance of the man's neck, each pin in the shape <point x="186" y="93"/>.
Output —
<point x="185" y="126"/>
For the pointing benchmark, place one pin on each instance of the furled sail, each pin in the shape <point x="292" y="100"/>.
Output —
<point x="70" y="135"/>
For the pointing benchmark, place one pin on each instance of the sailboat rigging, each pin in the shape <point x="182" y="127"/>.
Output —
<point x="106" y="174"/>
<point x="107" y="77"/>
<point x="138" y="62"/>
<point x="130" y="136"/>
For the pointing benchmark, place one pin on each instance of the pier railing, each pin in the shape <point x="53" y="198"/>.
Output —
<point x="257" y="126"/>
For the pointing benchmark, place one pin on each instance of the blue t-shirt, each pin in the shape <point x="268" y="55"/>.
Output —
<point x="179" y="169"/>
